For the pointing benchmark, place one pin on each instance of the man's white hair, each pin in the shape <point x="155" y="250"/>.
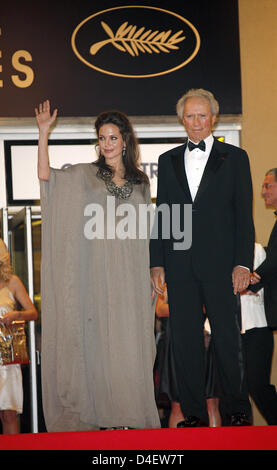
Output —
<point x="200" y="93"/>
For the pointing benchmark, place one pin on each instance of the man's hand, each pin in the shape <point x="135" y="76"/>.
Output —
<point x="240" y="278"/>
<point x="157" y="279"/>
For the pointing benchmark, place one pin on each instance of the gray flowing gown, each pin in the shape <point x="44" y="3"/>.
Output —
<point x="98" y="344"/>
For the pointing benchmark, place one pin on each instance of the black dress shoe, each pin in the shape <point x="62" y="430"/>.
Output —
<point x="191" y="422"/>
<point x="116" y="428"/>
<point x="240" y="419"/>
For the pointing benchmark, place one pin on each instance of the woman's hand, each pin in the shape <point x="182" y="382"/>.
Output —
<point x="255" y="278"/>
<point x="9" y="317"/>
<point x="44" y="122"/>
<point x="44" y="117"/>
<point x="157" y="277"/>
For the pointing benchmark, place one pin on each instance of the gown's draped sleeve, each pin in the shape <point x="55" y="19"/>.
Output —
<point x="63" y="373"/>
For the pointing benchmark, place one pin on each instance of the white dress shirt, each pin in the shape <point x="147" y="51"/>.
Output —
<point x="195" y="162"/>
<point x="252" y="306"/>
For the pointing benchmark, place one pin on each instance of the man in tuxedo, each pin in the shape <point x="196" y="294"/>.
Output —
<point x="265" y="276"/>
<point x="214" y="178"/>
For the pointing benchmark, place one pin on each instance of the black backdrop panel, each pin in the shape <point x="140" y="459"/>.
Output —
<point x="85" y="57"/>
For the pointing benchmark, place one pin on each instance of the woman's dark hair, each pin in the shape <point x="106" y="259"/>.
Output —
<point x="131" y="159"/>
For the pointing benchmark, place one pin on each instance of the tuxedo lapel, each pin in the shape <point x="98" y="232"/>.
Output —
<point x="178" y="162"/>
<point x="215" y="160"/>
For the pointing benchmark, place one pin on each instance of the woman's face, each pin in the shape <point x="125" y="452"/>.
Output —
<point x="110" y="142"/>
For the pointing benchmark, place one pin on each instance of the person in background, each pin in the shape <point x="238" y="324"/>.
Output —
<point x="12" y="292"/>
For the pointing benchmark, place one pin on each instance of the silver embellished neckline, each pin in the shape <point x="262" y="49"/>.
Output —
<point x="121" y="192"/>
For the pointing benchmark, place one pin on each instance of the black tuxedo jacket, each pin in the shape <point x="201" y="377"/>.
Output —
<point x="268" y="272"/>
<point x="222" y="224"/>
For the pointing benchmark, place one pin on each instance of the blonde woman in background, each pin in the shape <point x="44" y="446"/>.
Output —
<point x="12" y="292"/>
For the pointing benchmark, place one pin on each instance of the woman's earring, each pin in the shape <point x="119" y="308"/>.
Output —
<point x="124" y="153"/>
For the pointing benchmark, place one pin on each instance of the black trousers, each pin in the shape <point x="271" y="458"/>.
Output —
<point x="186" y="302"/>
<point x="258" y="347"/>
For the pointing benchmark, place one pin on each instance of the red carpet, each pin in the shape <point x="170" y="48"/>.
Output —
<point x="225" y="438"/>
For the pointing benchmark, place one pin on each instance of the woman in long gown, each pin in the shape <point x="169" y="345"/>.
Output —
<point x="98" y="344"/>
<point x="12" y="292"/>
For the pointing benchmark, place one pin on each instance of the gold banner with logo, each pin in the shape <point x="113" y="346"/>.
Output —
<point x="87" y="57"/>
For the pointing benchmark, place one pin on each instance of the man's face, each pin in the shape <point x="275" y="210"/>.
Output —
<point x="269" y="191"/>
<point x="198" y="119"/>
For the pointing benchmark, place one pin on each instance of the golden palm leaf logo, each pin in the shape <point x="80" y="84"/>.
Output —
<point x="164" y="48"/>
<point x="131" y="39"/>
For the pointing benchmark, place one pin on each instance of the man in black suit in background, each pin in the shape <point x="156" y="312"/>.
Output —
<point x="266" y="273"/>
<point x="265" y="276"/>
<point x="214" y="178"/>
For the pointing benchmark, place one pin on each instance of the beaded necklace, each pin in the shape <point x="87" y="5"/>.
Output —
<point x="121" y="192"/>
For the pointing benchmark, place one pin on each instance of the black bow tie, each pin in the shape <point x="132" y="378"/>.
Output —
<point x="201" y="145"/>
